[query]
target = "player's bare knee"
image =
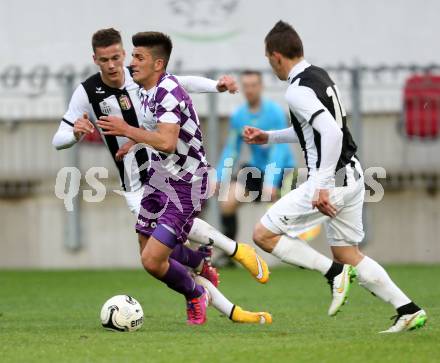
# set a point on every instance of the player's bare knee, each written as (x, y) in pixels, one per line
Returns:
(338, 256)
(151, 264)
(144, 260)
(262, 239)
(142, 244)
(347, 255)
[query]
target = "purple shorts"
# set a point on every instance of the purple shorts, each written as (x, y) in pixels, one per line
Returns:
(168, 214)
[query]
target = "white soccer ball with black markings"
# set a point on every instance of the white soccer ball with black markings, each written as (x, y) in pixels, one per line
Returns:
(122, 313)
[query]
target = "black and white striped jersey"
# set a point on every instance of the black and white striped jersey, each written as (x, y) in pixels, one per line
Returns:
(97, 99)
(311, 92)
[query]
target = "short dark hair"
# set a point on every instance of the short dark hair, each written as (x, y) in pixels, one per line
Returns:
(251, 72)
(106, 37)
(285, 40)
(160, 44)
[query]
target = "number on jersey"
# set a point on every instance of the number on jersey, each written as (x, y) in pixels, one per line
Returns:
(340, 114)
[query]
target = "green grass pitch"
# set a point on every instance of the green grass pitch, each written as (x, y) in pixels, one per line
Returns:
(53, 316)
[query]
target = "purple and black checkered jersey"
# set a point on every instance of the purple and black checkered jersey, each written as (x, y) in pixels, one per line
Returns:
(168, 102)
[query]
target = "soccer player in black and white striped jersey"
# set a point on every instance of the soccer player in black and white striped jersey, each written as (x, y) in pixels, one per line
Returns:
(334, 191)
(112, 91)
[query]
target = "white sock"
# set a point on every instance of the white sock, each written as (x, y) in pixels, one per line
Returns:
(299, 253)
(205, 234)
(218, 300)
(374, 278)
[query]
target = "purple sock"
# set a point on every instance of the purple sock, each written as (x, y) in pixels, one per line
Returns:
(186, 256)
(178, 279)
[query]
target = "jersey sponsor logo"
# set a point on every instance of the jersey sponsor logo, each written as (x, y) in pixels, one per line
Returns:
(152, 224)
(124, 102)
(99, 90)
(105, 107)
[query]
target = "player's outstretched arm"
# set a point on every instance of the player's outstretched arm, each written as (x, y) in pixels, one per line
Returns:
(196, 84)
(283, 136)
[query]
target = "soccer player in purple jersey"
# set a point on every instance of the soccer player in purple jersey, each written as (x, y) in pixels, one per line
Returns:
(112, 91)
(177, 183)
(107, 86)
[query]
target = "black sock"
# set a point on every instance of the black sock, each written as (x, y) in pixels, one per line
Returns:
(235, 250)
(334, 270)
(232, 312)
(229, 223)
(409, 308)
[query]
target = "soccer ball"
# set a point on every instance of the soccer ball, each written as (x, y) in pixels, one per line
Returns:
(122, 313)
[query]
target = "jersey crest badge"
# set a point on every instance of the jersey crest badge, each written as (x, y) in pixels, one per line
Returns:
(124, 102)
(105, 107)
(99, 90)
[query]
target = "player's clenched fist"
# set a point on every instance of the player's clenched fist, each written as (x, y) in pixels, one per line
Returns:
(227, 83)
(82, 126)
(253, 135)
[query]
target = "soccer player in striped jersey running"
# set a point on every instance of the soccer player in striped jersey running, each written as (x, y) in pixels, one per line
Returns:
(334, 191)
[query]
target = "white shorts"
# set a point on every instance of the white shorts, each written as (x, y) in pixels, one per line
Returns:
(293, 214)
(134, 199)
